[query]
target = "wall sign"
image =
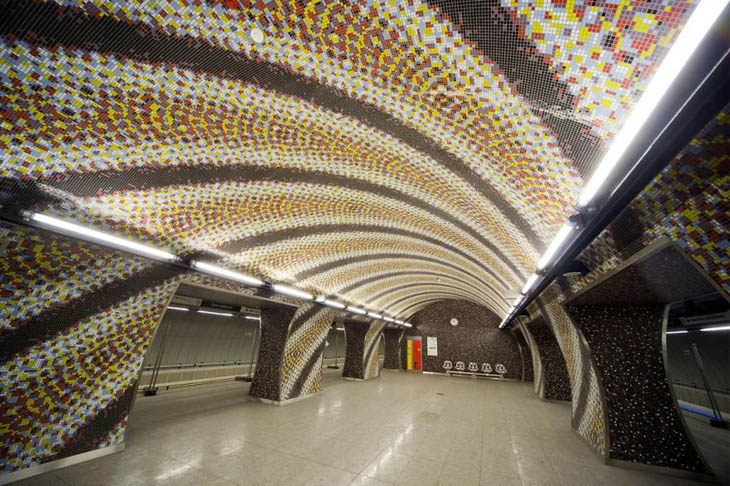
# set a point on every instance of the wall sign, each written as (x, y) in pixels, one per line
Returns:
(432, 346)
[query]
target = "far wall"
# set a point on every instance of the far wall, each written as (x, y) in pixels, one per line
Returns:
(476, 338)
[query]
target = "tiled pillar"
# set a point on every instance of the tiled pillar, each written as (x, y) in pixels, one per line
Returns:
(552, 381)
(274, 331)
(527, 368)
(289, 366)
(361, 354)
(393, 338)
(644, 425)
(621, 318)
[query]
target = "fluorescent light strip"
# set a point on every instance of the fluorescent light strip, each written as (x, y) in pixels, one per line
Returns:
(530, 282)
(223, 314)
(171, 307)
(356, 310)
(252, 318)
(225, 273)
(676, 332)
(689, 38)
(388, 319)
(407, 325)
(717, 328)
(99, 237)
(399, 322)
(555, 246)
(329, 303)
(374, 315)
(292, 292)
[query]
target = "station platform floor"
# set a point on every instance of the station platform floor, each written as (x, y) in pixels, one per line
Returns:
(400, 429)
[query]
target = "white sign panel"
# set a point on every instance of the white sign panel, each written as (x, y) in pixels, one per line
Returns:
(432, 348)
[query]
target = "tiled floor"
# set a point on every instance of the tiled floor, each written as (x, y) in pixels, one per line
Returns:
(402, 428)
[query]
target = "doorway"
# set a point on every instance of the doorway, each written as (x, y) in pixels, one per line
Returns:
(413, 353)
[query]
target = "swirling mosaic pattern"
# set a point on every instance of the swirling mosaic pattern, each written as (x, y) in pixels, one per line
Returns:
(392, 154)
(388, 118)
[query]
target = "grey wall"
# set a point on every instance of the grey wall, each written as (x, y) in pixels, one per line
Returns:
(200, 338)
(714, 348)
(334, 345)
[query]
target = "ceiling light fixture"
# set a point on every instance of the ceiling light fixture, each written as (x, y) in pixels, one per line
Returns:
(257, 35)
(95, 236)
(677, 332)
(171, 307)
(388, 319)
(292, 292)
(225, 273)
(374, 315)
(222, 314)
(689, 38)
(717, 328)
(356, 310)
(530, 282)
(554, 246)
(252, 318)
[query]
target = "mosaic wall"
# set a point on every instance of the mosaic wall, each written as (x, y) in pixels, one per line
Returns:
(688, 203)
(555, 384)
(393, 338)
(76, 322)
(388, 153)
(476, 341)
(438, 137)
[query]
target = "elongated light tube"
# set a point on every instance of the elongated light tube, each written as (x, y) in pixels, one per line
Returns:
(687, 41)
(172, 307)
(530, 282)
(223, 314)
(374, 315)
(252, 318)
(407, 325)
(292, 292)
(677, 332)
(104, 238)
(356, 310)
(554, 246)
(334, 304)
(717, 328)
(388, 319)
(225, 273)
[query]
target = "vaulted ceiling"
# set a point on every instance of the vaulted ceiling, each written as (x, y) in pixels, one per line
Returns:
(390, 153)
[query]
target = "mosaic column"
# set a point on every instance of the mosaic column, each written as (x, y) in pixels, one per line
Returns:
(361, 354)
(393, 338)
(274, 331)
(75, 324)
(552, 382)
(622, 318)
(290, 357)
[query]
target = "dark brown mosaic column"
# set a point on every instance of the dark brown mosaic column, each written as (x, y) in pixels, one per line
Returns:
(274, 332)
(622, 318)
(393, 338)
(555, 384)
(361, 351)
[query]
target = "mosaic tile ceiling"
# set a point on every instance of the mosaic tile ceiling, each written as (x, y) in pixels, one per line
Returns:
(391, 153)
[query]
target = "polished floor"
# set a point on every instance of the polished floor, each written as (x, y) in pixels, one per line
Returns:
(403, 429)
